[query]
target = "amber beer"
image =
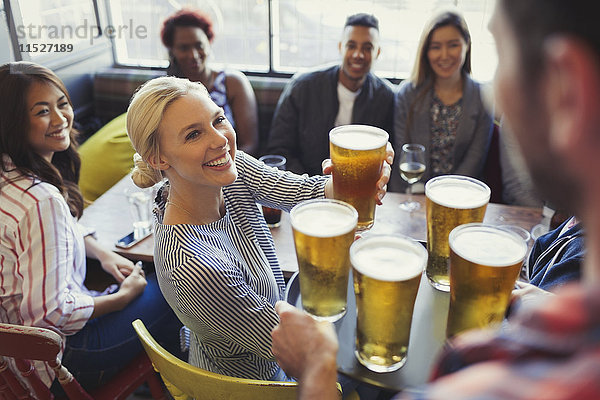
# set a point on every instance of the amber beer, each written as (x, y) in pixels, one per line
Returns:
(451, 200)
(357, 153)
(387, 271)
(485, 262)
(323, 232)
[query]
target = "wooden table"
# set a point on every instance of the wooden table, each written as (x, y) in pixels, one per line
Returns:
(427, 335)
(111, 218)
(110, 215)
(431, 307)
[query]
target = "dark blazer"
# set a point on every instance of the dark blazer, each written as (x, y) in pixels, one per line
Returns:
(306, 112)
(473, 133)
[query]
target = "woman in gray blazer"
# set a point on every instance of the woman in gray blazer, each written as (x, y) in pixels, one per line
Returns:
(440, 105)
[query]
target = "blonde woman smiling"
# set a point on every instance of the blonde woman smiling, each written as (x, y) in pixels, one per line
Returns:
(214, 253)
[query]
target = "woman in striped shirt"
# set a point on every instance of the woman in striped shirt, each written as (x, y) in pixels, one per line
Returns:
(42, 248)
(214, 253)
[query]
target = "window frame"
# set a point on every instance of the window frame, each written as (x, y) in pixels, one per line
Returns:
(104, 17)
(54, 60)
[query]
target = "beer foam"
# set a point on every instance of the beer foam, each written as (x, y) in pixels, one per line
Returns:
(388, 258)
(488, 245)
(457, 193)
(358, 137)
(324, 219)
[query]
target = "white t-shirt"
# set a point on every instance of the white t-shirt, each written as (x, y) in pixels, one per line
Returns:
(346, 98)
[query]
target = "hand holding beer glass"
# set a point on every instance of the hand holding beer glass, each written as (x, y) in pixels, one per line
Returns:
(450, 200)
(485, 262)
(323, 232)
(357, 153)
(412, 168)
(387, 270)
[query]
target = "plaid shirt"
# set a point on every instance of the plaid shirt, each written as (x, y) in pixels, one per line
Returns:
(550, 352)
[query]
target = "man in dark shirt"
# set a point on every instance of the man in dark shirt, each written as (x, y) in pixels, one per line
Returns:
(314, 102)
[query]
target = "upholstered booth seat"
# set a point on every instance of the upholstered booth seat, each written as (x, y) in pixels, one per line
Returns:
(106, 157)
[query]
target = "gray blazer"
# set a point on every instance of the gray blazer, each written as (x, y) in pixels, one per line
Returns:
(473, 133)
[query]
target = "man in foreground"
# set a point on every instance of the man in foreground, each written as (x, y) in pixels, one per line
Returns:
(548, 86)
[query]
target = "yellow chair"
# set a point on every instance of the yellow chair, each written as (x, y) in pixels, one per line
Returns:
(185, 381)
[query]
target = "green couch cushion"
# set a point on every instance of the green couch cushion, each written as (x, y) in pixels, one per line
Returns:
(106, 157)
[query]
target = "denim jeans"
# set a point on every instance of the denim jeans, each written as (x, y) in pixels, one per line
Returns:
(106, 344)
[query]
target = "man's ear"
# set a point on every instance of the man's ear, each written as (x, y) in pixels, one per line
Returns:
(572, 90)
(340, 47)
(158, 162)
(378, 52)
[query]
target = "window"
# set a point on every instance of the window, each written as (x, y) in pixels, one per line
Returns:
(241, 31)
(6, 53)
(50, 29)
(307, 32)
(276, 36)
(304, 33)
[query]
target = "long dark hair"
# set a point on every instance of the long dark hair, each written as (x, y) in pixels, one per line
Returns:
(15, 81)
(422, 76)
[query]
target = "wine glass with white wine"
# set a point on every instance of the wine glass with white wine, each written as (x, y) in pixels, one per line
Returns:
(412, 168)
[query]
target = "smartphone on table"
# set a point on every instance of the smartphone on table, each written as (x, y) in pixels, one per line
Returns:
(131, 240)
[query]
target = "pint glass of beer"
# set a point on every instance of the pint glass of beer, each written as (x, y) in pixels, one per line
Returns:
(357, 153)
(485, 262)
(387, 271)
(323, 232)
(451, 200)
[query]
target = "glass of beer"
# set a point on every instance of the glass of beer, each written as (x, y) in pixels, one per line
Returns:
(450, 200)
(323, 232)
(387, 270)
(273, 215)
(357, 153)
(485, 262)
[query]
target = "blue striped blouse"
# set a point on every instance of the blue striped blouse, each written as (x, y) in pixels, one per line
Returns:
(223, 279)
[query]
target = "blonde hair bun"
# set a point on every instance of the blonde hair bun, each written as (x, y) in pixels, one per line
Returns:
(143, 175)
